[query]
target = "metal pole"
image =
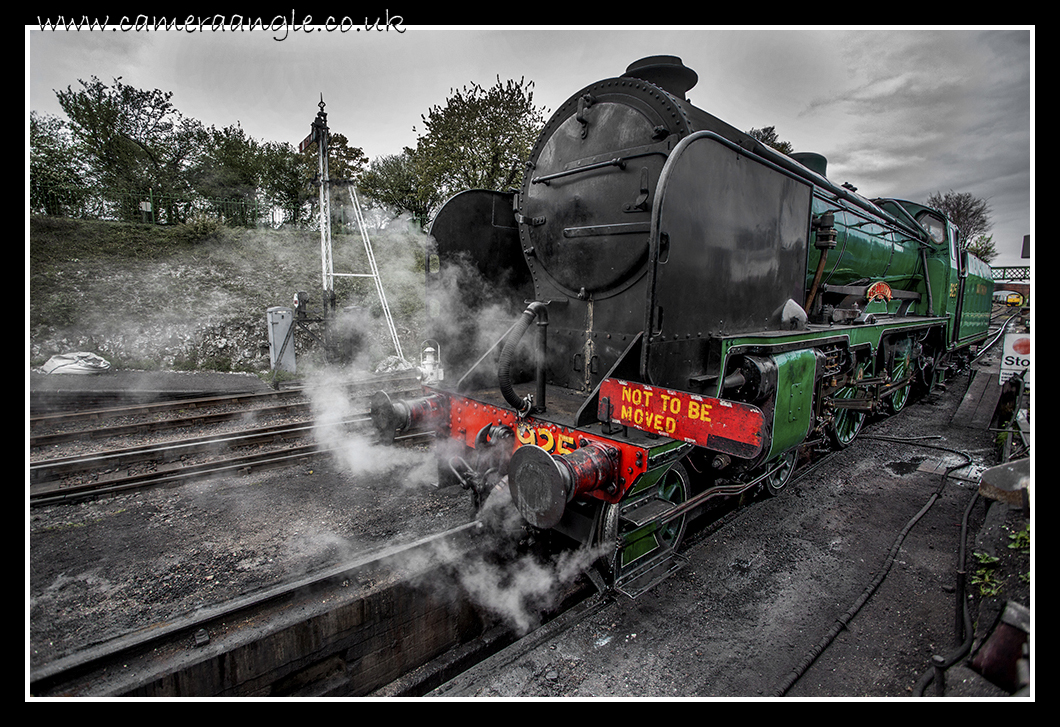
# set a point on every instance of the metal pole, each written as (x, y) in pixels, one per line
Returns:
(320, 128)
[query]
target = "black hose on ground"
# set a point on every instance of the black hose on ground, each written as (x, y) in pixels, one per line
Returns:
(842, 621)
(939, 662)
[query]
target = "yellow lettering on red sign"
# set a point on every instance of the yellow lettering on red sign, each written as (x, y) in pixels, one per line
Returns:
(724, 426)
(638, 407)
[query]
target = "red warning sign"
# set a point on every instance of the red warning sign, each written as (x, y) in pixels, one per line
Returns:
(724, 426)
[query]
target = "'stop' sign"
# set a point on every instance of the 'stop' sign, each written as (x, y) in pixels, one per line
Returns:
(1016, 356)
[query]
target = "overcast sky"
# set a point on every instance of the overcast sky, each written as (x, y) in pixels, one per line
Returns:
(897, 112)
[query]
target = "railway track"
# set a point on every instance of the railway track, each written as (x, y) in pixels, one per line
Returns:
(54, 429)
(90, 453)
(315, 636)
(73, 420)
(279, 641)
(257, 645)
(111, 472)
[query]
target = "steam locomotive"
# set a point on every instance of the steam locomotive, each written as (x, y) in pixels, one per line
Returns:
(702, 307)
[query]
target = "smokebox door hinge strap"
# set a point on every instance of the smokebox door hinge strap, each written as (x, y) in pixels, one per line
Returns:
(640, 204)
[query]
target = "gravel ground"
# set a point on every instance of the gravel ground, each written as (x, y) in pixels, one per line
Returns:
(99, 569)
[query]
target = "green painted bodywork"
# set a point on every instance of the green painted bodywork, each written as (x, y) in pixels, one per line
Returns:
(660, 458)
(866, 337)
(635, 544)
(796, 380)
(961, 284)
(976, 289)
(866, 249)
(793, 410)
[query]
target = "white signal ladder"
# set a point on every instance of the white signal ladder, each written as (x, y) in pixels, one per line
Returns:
(374, 274)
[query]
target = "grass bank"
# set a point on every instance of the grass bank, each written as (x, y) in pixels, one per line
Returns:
(195, 296)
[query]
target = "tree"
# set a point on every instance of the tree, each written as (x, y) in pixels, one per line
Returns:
(345, 164)
(229, 174)
(392, 182)
(768, 136)
(970, 214)
(285, 183)
(58, 176)
(983, 248)
(134, 140)
(344, 161)
(480, 139)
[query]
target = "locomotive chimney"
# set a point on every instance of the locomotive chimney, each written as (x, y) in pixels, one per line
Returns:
(666, 72)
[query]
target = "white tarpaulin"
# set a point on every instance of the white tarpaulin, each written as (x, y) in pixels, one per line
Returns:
(76, 363)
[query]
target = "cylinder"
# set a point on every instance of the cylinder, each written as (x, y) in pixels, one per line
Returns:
(542, 484)
(390, 417)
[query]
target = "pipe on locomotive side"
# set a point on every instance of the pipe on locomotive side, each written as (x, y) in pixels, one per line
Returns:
(535, 311)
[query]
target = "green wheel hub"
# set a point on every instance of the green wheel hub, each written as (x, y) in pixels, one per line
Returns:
(780, 470)
(848, 422)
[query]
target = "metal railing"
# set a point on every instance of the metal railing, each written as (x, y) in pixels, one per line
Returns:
(1012, 274)
(161, 208)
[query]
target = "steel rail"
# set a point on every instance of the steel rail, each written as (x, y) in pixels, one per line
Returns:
(47, 469)
(51, 494)
(367, 386)
(45, 440)
(90, 415)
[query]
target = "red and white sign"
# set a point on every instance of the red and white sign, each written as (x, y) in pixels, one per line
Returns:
(723, 426)
(1016, 356)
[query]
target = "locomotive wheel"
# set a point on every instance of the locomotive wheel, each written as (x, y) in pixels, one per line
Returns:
(673, 487)
(896, 401)
(780, 471)
(846, 426)
(607, 563)
(847, 422)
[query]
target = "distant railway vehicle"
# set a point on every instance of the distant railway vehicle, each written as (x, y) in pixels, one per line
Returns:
(1008, 297)
(702, 306)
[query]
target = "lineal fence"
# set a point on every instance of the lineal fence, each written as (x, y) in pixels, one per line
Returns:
(174, 209)
(164, 209)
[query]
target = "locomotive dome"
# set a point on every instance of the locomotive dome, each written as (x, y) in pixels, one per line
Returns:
(666, 72)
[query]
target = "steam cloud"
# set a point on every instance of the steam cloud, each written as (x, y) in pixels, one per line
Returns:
(516, 588)
(466, 315)
(518, 591)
